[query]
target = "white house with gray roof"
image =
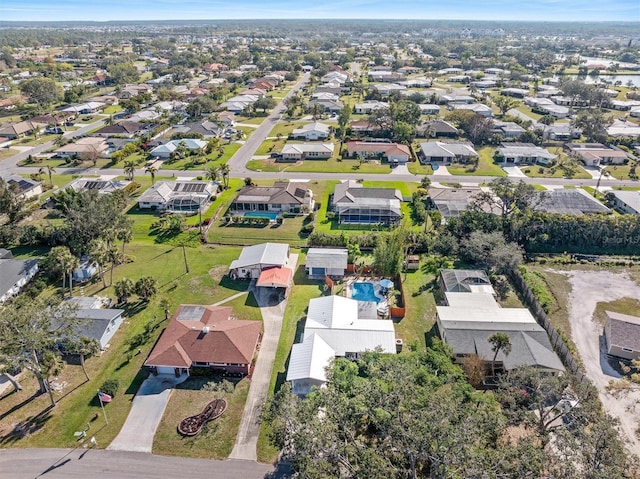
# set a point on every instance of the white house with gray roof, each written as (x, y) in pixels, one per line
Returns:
(254, 259)
(526, 153)
(460, 152)
(622, 335)
(626, 201)
(307, 151)
(14, 274)
(323, 262)
(178, 196)
(311, 131)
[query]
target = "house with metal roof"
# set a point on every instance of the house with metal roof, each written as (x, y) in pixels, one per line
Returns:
(207, 337)
(459, 152)
(178, 196)
(575, 201)
(253, 260)
(596, 154)
(14, 274)
(99, 324)
(336, 327)
(323, 262)
(354, 204)
(525, 153)
(282, 197)
(307, 151)
(622, 335)
(451, 202)
(626, 201)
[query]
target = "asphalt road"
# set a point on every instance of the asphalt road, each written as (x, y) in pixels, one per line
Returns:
(101, 464)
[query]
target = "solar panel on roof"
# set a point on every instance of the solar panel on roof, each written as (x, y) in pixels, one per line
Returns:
(190, 313)
(94, 185)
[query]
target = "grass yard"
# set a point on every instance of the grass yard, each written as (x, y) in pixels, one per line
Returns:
(112, 109)
(250, 121)
(527, 111)
(418, 168)
(7, 153)
(620, 172)
(332, 165)
(486, 165)
(630, 306)
(285, 128)
(292, 327)
(216, 439)
(287, 232)
(537, 171)
(213, 159)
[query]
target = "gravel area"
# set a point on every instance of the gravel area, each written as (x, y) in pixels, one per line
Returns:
(587, 289)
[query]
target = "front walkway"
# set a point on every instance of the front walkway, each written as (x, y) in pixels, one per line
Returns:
(513, 171)
(146, 413)
(272, 315)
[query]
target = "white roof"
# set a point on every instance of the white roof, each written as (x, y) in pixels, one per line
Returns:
(265, 253)
(307, 148)
(315, 126)
(309, 359)
(471, 300)
(327, 258)
(451, 316)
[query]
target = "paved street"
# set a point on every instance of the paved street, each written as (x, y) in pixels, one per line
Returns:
(102, 464)
(272, 315)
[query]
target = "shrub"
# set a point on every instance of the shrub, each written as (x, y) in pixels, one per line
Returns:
(110, 387)
(538, 287)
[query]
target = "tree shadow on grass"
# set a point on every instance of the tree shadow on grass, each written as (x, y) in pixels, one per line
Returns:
(27, 427)
(19, 405)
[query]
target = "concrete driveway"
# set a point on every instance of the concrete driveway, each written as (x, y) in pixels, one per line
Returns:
(272, 315)
(587, 289)
(146, 412)
(514, 172)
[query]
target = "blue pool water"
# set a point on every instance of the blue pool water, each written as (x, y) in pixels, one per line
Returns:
(261, 214)
(363, 291)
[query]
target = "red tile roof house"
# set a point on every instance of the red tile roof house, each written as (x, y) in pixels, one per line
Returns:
(205, 336)
(392, 152)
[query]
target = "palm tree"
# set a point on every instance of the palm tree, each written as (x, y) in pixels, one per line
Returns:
(225, 170)
(125, 235)
(129, 169)
(84, 347)
(499, 342)
(100, 254)
(61, 260)
(213, 173)
(50, 170)
(152, 170)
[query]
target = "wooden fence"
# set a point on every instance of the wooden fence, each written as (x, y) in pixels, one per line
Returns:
(541, 317)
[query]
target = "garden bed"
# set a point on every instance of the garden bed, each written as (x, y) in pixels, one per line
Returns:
(192, 425)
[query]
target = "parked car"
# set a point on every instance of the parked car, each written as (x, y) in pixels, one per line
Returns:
(56, 130)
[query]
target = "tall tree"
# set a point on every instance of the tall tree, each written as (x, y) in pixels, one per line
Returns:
(129, 169)
(152, 170)
(500, 342)
(42, 91)
(508, 197)
(61, 261)
(225, 171)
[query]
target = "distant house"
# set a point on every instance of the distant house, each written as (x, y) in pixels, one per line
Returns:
(559, 132)
(311, 131)
(508, 129)
(17, 130)
(392, 152)
(255, 259)
(335, 327)
(438, 129)
(514, 92)
(307, 151)
(595, 154)
(460, 152)
(14, 274)
(86, 148)
(165, 151)
(478, 108)
(86, 269)
(86, 108)
(208, 129)
(26, 187)
(95, 184)
(178, 196)
(574, 201)
(525, 153)
(331, 106)
(369, 106)
(282, 197)
(354, 204)
(227, 118)
(429, 109)
(95, 322)
(626, 201)
(207, 337)
(451, 202)
(323, 262)
(622, 335)
(126, 128)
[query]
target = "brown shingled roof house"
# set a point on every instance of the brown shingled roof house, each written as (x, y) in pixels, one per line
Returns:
(205, 336)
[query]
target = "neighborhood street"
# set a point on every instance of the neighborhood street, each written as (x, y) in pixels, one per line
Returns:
(102, 464)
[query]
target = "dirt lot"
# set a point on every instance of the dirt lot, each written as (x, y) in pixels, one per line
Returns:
(587, 289)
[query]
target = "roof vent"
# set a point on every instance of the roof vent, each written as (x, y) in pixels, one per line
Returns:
(205, 330)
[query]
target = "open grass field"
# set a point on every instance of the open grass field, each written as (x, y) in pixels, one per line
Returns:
(535, 171)
(332, 165)
(208, 161)
(486, 165)
(418, 168)
(630, 306)
(620, 172)
(206, 283)
(7, 153)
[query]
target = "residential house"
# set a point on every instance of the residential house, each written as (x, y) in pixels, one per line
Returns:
(626, 201)
(253, 260)
(544, 106)
(559, 132)
(354, 204)
(306, 151)
(86, 148)
(325, 96)
(514, 92)
(129, 91)
(622, 335)
(13, 131)
(87, 268)
(94, 321)
(103, 187)
(465, 281)
(623, 128)
(206, 337)
(331, 106)
(460, 152)
(226, 118)
(14, 274)
(452, 99)
(208, 129)
(85, 108)
(525, 153)
(452, 202)
(178, 196)
(369, 106)
(508, 129)
(429, 109)
(478, 108)
(125, 129)
(191, 144)
(25, 187)
(438, 129)
(573, 202)
(392, 152)
(282, 197)
(596, 154)
(323, 262)
(336, 327)
(311, 131)
(386, 89)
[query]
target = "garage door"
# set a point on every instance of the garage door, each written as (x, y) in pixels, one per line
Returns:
(317, 271)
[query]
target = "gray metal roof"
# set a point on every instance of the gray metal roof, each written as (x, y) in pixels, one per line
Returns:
(574, 201)
(629, 198)
(326, 258)
(623, 330)
(265, 253)
(12, 270)
(92, 323)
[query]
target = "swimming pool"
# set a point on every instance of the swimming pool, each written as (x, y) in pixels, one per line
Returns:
(261, 214)
(364, 291)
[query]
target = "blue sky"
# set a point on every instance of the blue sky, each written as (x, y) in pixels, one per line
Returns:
(532, 10)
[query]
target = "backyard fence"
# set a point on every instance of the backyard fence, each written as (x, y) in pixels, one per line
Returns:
(541, 317)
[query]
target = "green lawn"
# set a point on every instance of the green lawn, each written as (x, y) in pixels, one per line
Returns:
(250, 121)
(112, 109)
(286, 128)
(331, 165)
(620, 172)
(527, 111)
(536, 171)
(486, 166)
(418, 168)
(191, 162)
(7, 152)
(288, 232)
(629, 306)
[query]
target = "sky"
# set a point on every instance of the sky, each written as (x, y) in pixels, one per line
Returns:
(523, 10)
